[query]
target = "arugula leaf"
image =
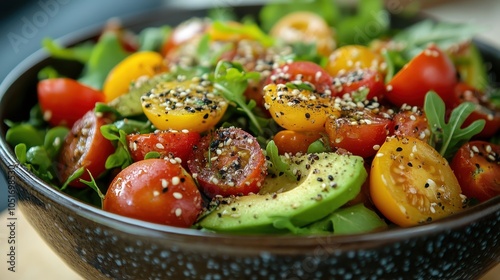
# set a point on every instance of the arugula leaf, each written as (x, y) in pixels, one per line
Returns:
(72, 177)
(105, 55)
(121, 157)
(152, 154)
(152, 38)
(93, 185)
(248, 30)
(231, 81)
(448, 137)
(276, 164)
(48, 73)
(80, 52)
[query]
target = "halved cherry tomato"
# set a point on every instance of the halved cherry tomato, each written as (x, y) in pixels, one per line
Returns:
(477, 167)
(228, 161)
(63, 100)
(485, 110)
(353, 57)
(293, 142)
(170, 143)
(361, 132)
(411, 123)
(432, 69)
(157, 191)
(297, 109)
(411, 183)
(305, 27)
(84, 147)
(190, 104)
(139, 64)
(303, 72)
(357, 81)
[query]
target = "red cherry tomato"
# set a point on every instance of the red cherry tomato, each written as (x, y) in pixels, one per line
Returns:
(432, 69)
(303, 71)
(485, 110)
(360, 80)
(293, 142)
(84, 147)
(63, 101)
(228, 162)
(477, 168)
(157, 191)
(360, 134)
(409, 123)
(171, 143)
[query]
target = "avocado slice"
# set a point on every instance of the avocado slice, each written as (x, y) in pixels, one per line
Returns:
(324, 182)
(129, 104)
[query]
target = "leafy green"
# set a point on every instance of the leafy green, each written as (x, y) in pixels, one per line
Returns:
(72, 177)
(152, 154)
(447, 137)
(105, 55)
(248, 30)
(54, 139)
(152, 38)
(93, 185)
(221, 14)
(231, 81)
(351, 220)
(444, 34)
(48, 73)
(24, 133)
(276, 164)
(121, 157)
(80, 52)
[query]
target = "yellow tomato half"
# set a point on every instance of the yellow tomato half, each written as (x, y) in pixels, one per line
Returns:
(305, 27)
(145, 63)
(178, 105)
(297, 109)
(352, 57)
(411, 183)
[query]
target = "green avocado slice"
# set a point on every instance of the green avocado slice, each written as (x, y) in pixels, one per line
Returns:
(325, 182)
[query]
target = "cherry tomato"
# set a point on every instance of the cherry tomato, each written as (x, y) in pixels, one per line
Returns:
(432, 69)
(179, 105)
(352, 57)
(293, 142)
(477, 167)
(305, 27)
(171, 144)
(157, 191)
(411, 183)
(485, 110)
(228, 161)
(357, 81)
(360, 133)
(304, 71)
(84, 147)
(411, 123)
(298, 110)
(63, 100)
(125, 73)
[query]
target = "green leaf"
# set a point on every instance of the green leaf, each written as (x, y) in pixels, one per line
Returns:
(48, 73)
(77, 174)
(121, 157)
(38, 156)
(80, 52)
(447, 137)
(93, 185)
(20, 152)
(54, 139)
(105, 55)
(24, 133)
(152, 38)
(152, 154)
(276, 164)
(247, 29)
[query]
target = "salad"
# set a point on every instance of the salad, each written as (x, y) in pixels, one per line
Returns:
(297, 124)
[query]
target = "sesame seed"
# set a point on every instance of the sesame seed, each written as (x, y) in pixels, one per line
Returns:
(160, 146)
(177, 195)
(176, 180)
(156, 193)
(178, 212)
(475, 149)
(164, 183)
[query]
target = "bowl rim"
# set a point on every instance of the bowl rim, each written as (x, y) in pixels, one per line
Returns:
(15, 171)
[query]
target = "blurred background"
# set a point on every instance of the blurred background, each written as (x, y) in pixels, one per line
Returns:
(24, 23)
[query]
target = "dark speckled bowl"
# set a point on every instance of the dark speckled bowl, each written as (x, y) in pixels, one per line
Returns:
(101, 245)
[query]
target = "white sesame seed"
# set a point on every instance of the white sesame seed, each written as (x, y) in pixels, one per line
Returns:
(177, 195)
(178, 212)
(47, 115)
(160, 146)
(376, 147)
(475, 149)
(176, 180)
(164, 183)
(156, 193)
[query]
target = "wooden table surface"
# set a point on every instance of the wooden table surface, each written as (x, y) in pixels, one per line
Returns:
(35, 260)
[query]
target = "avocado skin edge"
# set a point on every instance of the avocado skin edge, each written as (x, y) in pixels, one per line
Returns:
(300, 201)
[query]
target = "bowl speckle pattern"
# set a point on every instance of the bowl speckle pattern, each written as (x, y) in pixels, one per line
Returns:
(101, 245)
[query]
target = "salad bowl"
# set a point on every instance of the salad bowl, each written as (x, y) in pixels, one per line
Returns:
(103, 245)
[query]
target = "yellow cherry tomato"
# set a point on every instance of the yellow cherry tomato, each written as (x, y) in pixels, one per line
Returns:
(352, 57)
(411, 183)
(305, 27)
(178, 105)
(145, 63)
(297, 109)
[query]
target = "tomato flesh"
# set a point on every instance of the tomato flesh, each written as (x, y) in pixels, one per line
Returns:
(293, 142)
(228, 162)
(411, 123)
(157, 191)
(411, 183)
(357, 81)
(64, 101)
(84, 147)
(477, 167)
